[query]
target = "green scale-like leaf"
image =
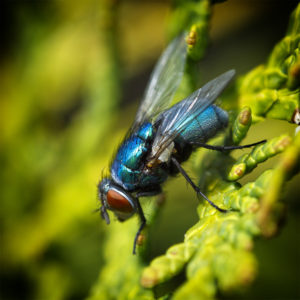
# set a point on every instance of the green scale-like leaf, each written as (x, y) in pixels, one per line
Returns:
(273, 90)
(216, 255)
(218, 247)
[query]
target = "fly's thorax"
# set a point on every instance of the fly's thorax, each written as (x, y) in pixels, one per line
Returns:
(126, 168)
(116, 199)
(145, 131)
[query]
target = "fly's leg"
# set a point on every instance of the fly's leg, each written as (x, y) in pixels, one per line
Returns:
(194, 186)
(157, 190)
(104, 214)
(143, 224)
(227, 148)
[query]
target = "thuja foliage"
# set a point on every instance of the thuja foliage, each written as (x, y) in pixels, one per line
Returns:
(54, 75)
(216, 254)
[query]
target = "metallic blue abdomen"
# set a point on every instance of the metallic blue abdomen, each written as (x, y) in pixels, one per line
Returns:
(126, 169)
(204, 126)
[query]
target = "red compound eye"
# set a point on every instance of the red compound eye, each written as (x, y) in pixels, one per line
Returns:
(118, 202)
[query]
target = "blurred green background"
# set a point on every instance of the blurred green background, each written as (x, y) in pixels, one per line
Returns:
(72, 73)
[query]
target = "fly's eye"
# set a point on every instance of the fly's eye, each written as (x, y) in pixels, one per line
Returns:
(118, 202)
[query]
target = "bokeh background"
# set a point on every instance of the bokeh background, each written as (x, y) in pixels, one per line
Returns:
(72, 74)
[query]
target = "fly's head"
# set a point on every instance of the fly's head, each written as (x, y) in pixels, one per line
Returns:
(116, 199)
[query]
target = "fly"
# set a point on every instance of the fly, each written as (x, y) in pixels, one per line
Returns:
(163, 137)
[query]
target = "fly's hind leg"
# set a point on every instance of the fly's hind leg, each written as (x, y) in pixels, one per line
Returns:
(194, 186)
(227, 148)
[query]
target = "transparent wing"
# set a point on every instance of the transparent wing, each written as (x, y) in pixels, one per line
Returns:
(176, 119)
(164, 81)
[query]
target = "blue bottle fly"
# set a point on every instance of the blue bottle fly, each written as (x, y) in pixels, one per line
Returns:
(161, 138)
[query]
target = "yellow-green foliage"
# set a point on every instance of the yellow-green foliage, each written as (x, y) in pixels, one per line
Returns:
(60, 90)
(216, 254)
(272, 90)
(52, 126)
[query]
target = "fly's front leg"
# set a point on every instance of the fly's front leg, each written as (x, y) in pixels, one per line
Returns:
(157, 190)
(143, 224)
